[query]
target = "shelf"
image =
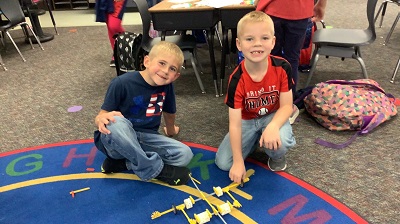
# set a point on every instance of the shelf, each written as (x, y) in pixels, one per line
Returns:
(57, 3)
(73, 4)
(79, 4)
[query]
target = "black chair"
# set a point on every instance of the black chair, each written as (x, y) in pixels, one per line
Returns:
(186, 42)
(11, 9)
(382, 9)
(396, 69)
(2, 64)
(344, 43)
(31, 10)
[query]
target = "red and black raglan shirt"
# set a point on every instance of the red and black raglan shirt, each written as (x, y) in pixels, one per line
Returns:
(258, 99)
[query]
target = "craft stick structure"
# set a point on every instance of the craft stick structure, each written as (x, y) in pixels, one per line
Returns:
(206, 216)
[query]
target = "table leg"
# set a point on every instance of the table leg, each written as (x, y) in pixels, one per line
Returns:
(51, 16)
(163, 34)
(210, 37)
(2, 64)
(224, 53)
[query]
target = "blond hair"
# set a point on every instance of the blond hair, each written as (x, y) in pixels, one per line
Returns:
(254, 17)
(167, 48)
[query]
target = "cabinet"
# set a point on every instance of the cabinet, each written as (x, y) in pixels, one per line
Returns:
(72, 4)
(80, 4)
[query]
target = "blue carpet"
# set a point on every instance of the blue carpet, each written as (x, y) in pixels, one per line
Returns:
(35, 186)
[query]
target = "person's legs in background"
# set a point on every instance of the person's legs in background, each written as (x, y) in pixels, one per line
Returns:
(295, 31)
(114, 26)
(151, 3)
(289, 41)
(294, 39)
(279, 36)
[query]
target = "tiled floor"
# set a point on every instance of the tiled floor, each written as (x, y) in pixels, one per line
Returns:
(82, 17)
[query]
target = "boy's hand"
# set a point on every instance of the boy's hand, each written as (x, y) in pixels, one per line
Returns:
(104, 119)
(170, 132)
(237, 173)
(270, 138)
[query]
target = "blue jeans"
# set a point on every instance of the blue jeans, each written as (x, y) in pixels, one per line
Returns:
(145, 153)
(251, 133)
(290, 36)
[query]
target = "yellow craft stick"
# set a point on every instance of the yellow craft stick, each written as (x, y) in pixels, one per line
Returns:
(157, 214)
(80, 190)
(194, 179)
(204, 197)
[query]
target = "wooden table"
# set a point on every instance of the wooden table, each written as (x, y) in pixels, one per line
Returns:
(229, 17)
(166, 18)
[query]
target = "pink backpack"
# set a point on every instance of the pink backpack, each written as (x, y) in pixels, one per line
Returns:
(359, 105)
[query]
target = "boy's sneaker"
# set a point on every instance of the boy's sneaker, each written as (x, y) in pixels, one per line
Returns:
(113, 165)
(294, 115)
(112, 63)
(277, 164)
(174, 175)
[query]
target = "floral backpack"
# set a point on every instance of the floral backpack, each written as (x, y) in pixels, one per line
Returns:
(359, 105)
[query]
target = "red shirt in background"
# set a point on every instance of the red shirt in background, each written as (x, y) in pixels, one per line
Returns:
(287, 9)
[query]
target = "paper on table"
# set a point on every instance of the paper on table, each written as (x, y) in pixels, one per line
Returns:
(181, 1)
(219, 3)
(183, 5)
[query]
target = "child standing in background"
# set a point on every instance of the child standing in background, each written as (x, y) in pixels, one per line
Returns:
(291, 18)
(111, 12)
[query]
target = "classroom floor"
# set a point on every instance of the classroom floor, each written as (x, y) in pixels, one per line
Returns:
(74, 70)
(83, 17)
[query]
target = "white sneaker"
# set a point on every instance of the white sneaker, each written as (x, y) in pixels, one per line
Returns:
(294, 115)
(277, 164)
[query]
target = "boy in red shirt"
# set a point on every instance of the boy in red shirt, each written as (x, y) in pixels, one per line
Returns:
(259, 99)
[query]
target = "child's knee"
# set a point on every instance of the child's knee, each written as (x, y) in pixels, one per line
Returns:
(287, 137)
(288, 141)
(181, 156)
(120, 123)
(223, 165)
(187, 156)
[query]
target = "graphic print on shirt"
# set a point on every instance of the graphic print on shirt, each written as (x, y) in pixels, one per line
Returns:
(261, 101)
(155, 105)
(138, 105)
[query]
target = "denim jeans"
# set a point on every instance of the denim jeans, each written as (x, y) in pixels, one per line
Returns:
(290, 36)
(251, 133)
(145, 153)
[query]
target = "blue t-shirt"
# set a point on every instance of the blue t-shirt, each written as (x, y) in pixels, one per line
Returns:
(139, 102)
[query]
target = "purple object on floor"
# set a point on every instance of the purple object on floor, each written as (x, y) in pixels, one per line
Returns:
(75, 108)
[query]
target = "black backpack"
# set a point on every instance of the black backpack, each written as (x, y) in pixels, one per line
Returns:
(128, 53)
